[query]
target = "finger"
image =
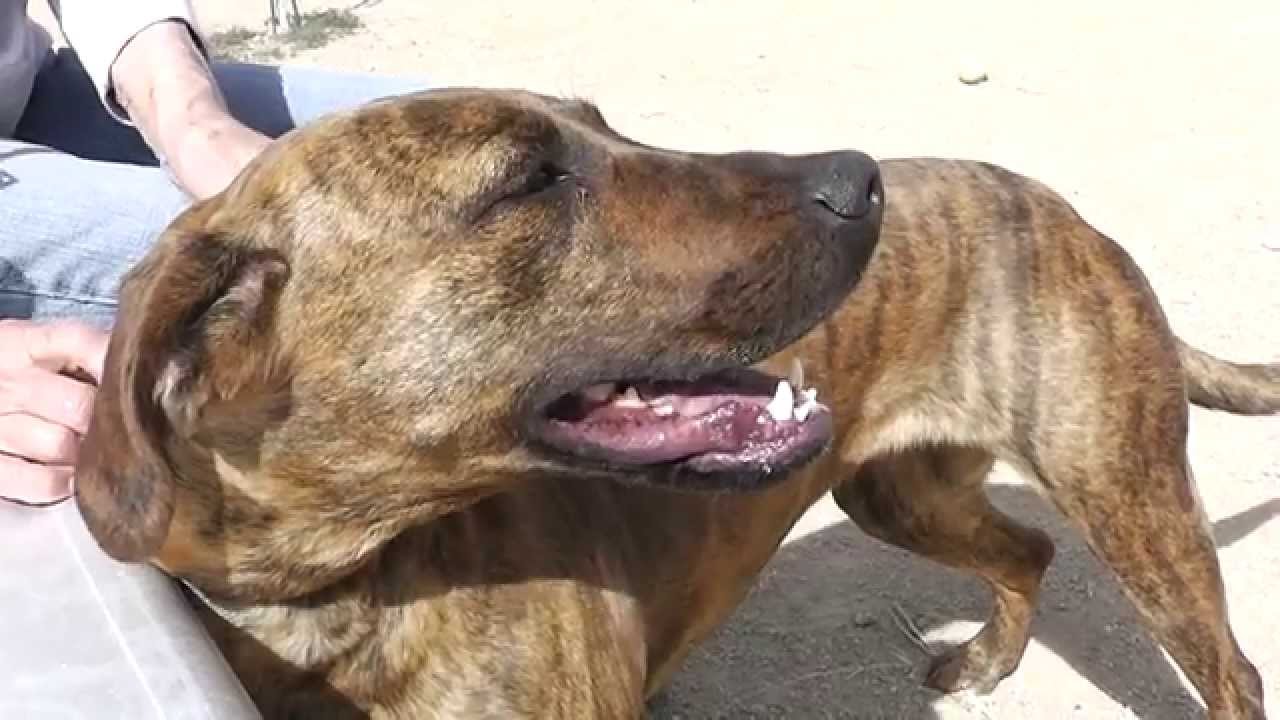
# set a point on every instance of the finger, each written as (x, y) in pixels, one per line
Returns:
(64, 346)
(55, 398)
(33, 484)
(38, 440)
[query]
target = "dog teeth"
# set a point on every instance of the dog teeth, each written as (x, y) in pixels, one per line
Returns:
(662, 408)
(783, 402)
(797, 373)
(809, 402)
(602, 393)
(630, 399)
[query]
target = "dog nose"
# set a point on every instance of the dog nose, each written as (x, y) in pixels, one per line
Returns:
(847, 184)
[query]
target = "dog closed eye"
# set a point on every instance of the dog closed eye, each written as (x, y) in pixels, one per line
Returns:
(547, 176)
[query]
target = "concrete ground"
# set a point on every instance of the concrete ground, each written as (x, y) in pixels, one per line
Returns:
(1157, 119)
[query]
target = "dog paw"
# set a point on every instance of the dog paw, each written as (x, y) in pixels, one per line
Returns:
(965, 668)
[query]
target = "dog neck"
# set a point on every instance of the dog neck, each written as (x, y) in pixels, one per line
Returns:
(233, 537)
(236, 536)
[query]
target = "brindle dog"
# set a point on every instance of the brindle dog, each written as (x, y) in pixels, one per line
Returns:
(419, 405)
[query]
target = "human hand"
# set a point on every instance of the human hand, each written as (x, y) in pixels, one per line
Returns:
(48, 376)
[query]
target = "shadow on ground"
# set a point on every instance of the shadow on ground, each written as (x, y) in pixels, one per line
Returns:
(818, 637)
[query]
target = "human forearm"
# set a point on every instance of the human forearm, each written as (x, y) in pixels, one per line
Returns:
(163, 84)
(161, 80)
(144, 53)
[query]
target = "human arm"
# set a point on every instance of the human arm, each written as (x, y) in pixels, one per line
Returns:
(150, 70)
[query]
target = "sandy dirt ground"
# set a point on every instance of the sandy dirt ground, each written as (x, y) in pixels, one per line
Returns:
(1158, 120)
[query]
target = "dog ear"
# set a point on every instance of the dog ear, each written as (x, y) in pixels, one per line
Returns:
(192, 330)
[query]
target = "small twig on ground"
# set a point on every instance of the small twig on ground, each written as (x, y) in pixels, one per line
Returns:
(908, 628)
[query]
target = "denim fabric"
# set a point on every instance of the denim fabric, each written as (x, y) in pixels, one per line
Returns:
(82, 198)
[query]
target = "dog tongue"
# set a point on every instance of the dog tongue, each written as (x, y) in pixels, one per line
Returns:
(661, 422)
(730, 426)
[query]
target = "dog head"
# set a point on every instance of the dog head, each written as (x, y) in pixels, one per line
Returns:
(401, 309)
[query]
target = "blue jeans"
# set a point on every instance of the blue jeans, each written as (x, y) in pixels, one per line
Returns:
(82, 197)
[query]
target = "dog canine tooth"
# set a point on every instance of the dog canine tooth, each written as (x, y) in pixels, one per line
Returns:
(783, 402)
(797, 373)
(630, 399)
(662, 409)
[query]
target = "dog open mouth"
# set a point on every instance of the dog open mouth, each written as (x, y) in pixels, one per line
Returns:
(738, 420)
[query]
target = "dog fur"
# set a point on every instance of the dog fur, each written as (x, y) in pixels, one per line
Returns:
(315, 403)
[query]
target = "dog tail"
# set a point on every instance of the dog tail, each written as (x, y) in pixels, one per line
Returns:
(1236, 388)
